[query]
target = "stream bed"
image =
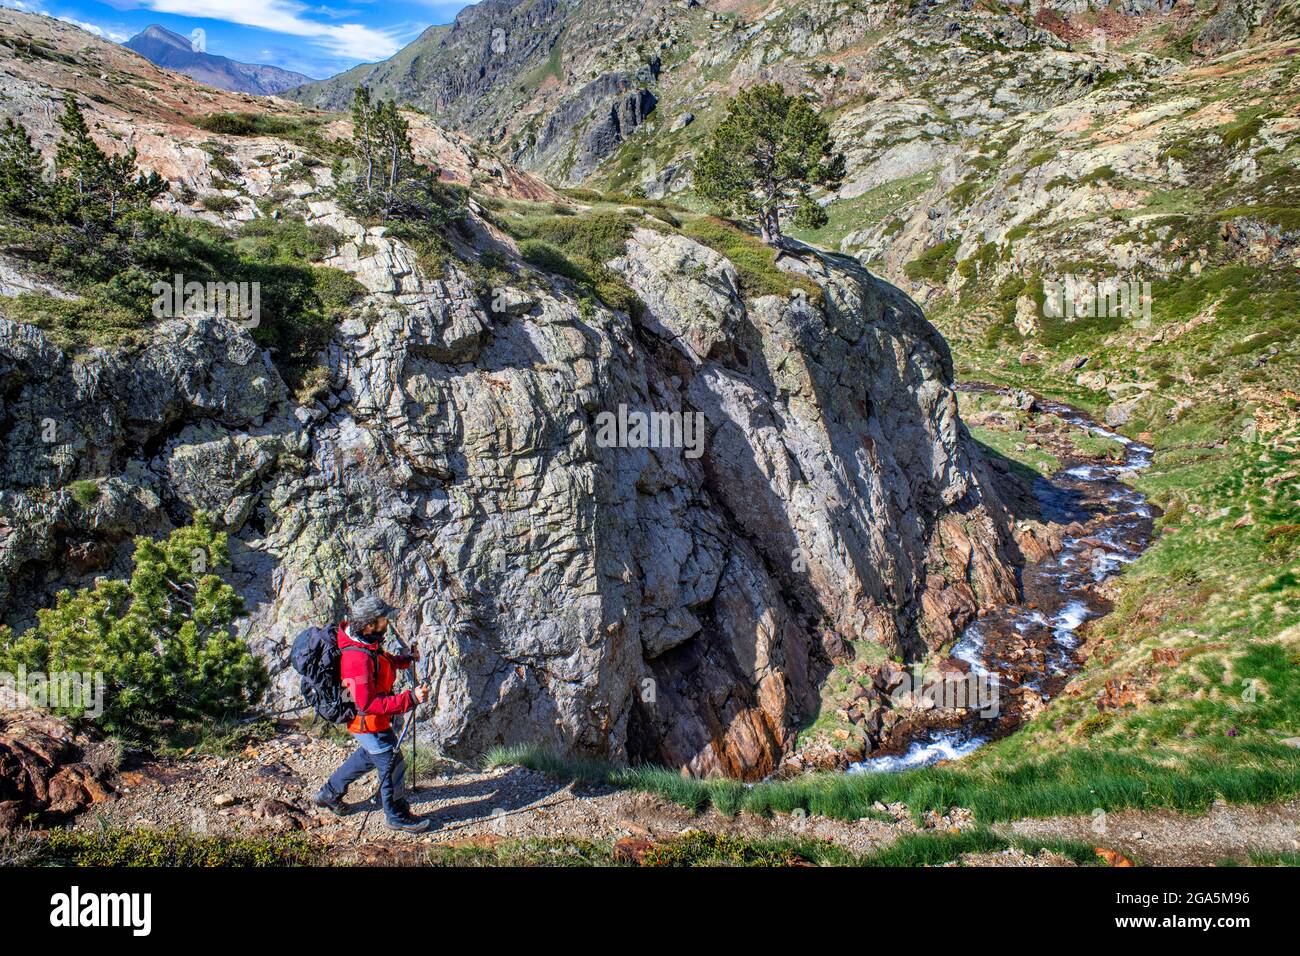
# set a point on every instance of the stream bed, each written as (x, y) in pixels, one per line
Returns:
(1030, 650)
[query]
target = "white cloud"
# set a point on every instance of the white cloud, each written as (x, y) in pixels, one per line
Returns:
(352, 41)
(114, 35)
(107, 34)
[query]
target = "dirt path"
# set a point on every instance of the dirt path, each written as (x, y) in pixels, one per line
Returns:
(1166, 838)
(269, 789)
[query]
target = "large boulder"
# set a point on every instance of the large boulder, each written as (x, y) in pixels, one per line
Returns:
(676, 600)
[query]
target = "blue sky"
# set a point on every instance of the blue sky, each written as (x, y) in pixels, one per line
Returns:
(319, 39)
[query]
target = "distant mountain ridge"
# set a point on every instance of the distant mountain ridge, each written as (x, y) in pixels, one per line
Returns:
(172, 51)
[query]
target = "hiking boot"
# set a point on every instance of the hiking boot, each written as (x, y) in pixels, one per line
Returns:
(408, 824)
(327, 801)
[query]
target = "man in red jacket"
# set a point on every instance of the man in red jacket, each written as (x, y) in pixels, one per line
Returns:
(370, 672)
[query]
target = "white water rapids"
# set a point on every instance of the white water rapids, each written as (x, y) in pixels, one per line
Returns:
(1082, 562)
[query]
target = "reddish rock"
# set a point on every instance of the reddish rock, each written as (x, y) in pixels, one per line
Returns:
(632, 850)
(1119, 693)
(1112, 857)
(42, 770)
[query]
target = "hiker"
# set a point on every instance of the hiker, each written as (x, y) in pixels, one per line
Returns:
(369, 672)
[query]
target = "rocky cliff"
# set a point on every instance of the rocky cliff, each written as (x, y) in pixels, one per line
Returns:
(678, 599)
(622, 601)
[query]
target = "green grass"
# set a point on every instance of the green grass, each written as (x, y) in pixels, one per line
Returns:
(552, 66)
(555, 240)
(862, 212)
(174, 847)
(1269, 859)
(755, 261)
(85, 492)
(1034, 461)
(171, 847)
(935, 849)
(538, 852)
(699, 848)
(302, 130)
(692, 849)
(1008, 434)
(1075, 781)
(1092, 445)
(218, 738)
(73, 323)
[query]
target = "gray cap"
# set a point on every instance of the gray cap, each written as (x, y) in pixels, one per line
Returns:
(367, 609)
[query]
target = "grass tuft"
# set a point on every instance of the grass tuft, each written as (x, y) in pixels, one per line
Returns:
(1075, 782)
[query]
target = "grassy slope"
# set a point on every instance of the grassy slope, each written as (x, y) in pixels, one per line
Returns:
(1197, 666)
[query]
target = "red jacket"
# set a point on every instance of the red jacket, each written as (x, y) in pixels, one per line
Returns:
(370, 678)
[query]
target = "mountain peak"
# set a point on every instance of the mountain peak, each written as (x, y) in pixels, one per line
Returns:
(160, 33)
(172, 51)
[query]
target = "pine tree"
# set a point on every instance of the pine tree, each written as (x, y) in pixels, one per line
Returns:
(163, 641)
(398, 158)
(22, 172)
(94, 190)
(363, 137)
(386, 182)
(764, 158)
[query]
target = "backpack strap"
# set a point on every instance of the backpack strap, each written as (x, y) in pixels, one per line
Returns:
(374, 668)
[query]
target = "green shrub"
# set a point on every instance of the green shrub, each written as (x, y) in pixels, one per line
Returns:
(596, 238)
(578, 248)
(172, 847)
(302, 130)
(228, 124)
(85, 493)
(1240, 133)
(163, 640)
(754, 260)
(219, 202)
(934, 264)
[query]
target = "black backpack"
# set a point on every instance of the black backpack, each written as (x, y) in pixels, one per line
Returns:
(316, 656)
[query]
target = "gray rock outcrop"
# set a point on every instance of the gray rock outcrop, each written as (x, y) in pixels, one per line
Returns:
(676, 601)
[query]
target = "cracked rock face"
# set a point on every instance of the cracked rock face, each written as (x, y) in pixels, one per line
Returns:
(675, 600)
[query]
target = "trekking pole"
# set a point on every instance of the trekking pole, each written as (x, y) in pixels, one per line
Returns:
(409, 725)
